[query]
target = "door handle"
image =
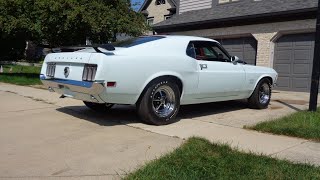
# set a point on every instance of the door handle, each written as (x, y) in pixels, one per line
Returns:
(203, 66)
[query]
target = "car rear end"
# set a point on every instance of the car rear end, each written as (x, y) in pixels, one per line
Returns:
(99, 74)
(73, 75)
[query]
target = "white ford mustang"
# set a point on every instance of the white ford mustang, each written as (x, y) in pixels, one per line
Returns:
(157, 74)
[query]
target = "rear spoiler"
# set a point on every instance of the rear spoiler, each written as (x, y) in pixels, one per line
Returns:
(108, 47)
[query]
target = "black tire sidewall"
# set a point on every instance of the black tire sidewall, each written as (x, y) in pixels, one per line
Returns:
(149, 115)
(254, 99)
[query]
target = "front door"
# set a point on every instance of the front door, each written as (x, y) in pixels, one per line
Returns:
(219, 78)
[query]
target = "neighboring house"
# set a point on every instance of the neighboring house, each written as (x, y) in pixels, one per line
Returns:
(272, 33)
(156, 11)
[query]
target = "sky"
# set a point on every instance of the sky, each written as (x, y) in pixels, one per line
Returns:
(138, 2)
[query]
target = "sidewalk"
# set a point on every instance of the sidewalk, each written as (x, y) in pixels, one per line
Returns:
(293, 149)
(282, 147)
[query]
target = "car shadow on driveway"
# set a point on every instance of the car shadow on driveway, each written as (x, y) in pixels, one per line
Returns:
(122, 114)
(198, 110)
(113, 117)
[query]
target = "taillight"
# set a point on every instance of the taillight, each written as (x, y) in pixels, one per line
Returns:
(51, 68)
(89, 72)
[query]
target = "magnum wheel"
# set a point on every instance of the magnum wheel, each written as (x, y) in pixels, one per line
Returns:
(98, 107)
(160, 103)
(261, 96)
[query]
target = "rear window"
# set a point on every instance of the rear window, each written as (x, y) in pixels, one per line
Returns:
(136, 41)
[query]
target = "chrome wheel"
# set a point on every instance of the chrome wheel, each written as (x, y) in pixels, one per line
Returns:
(264, 93)
(163, 101)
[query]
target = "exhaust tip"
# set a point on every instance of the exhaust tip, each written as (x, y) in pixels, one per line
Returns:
(50, 89)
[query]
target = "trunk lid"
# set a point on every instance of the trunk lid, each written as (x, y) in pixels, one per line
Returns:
(68, 66)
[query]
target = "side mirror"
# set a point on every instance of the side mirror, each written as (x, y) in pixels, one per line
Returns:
(236, 60)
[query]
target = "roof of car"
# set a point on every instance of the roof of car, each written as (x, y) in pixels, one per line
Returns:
(188, 38)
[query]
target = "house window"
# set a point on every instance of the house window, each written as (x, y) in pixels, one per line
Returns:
(159, 2)
(150, 21)
(167, 17)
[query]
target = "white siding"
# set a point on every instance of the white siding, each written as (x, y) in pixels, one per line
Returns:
(190, 5)
(226, 1)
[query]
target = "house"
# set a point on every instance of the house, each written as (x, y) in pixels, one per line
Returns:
(156, 11)
(271, 33)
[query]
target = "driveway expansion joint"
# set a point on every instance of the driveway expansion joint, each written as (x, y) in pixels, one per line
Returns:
(291, 147)
(32, 98)
(146, 130)
(25, 110)
(204, 121)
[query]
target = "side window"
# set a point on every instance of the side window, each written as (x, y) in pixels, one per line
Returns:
(190, 50)
(210, 51)
(221, 53)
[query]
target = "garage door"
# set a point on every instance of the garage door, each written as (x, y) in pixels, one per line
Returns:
(293, 61)
(245, 48)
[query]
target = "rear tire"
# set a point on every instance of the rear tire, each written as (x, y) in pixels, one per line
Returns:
(98, 107)
(160, 104)
(261, 96)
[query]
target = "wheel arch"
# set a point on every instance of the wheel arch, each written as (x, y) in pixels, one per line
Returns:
(260, 79)
(264, 77)
(173, 77)
(269, 78)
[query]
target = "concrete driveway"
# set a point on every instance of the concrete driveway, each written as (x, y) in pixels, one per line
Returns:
(40, 140)
(44, 136)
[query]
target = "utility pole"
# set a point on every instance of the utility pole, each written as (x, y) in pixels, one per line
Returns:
(316, 67)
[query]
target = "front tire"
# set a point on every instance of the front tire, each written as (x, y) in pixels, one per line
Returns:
(261, 96)
(160, 103)
(98, 107)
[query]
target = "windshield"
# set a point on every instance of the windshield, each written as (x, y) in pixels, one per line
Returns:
(136, 41)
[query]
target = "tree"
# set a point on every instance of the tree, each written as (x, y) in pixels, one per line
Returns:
(68, 22)
(14, 28)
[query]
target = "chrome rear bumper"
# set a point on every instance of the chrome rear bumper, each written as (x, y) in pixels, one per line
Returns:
(85, 91)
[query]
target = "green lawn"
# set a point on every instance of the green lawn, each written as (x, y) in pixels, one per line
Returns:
(302, 124)
(200, 159)
(20, 75)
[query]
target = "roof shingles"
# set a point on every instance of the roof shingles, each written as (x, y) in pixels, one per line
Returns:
(241, 8)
